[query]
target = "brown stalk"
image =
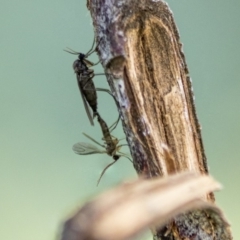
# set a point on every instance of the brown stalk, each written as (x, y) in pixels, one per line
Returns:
(140, 50)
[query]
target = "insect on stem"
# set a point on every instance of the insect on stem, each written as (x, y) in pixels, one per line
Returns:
(85, 80)
(110, 146)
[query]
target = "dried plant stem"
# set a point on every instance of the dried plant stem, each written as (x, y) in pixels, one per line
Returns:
(140, 49)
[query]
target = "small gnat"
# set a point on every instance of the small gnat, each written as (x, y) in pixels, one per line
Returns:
(84, 73)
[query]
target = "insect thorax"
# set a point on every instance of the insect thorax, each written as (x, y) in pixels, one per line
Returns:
(80, 67)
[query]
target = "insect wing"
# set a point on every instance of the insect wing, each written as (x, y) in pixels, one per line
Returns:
(82, 148)
(85, 102)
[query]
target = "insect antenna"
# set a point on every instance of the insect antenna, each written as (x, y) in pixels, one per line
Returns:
(69, 50)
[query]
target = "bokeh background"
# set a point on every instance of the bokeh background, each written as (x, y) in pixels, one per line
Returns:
(41, 180)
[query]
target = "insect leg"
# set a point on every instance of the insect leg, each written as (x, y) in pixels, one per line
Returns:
(105, 90)
(114, 125)
(104, 170)
(93, 140)
(125, 155)
(89, 79)
(92, 49)
(94, 64)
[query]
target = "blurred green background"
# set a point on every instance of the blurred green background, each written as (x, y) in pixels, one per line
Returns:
(41, 180)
